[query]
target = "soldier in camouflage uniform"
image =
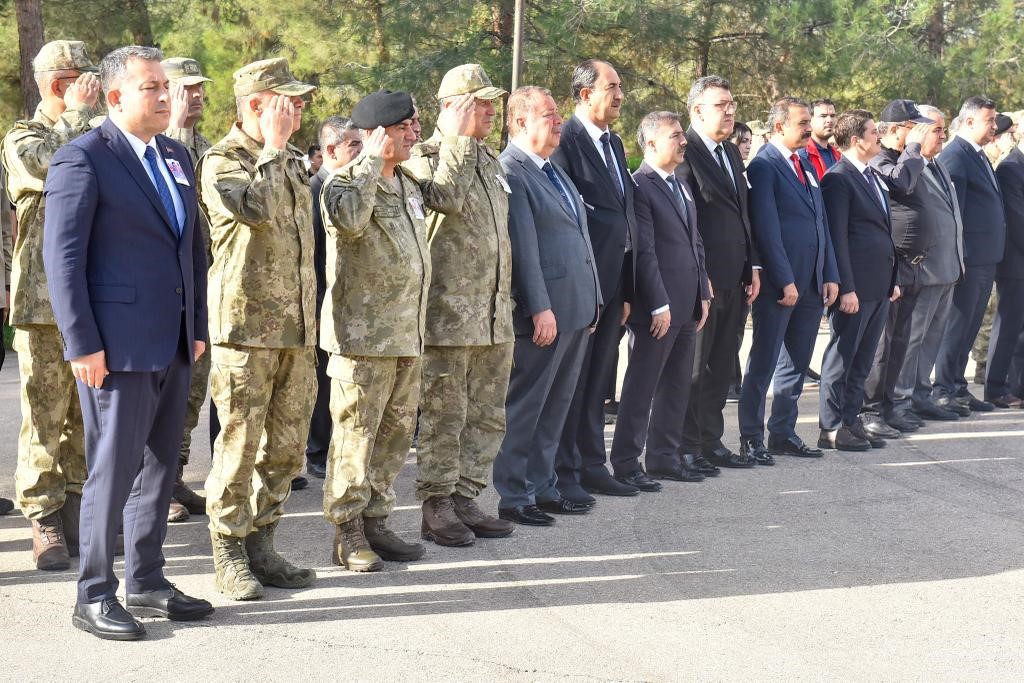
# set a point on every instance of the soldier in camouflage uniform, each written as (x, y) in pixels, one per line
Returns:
(186, 110)
(979, 352)
(51, 452)
(254, 190)
(469, 337)
(378, 274)
(6, 504)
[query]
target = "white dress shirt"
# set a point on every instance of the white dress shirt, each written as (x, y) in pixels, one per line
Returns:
(595, 134)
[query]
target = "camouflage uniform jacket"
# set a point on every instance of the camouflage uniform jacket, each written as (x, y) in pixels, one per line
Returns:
(470, 302)
(26, 152)
(196, 145)
(262, 287)
(378, 263)
(6, 228)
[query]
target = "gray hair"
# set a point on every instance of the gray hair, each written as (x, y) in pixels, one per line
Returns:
(521, 102)
(702, 85)
(779, 112)
(333, 129)
(928, 111)
(650, 124)
(972, 105)
(114, 66)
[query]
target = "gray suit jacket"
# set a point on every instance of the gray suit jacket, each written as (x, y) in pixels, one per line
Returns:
(945, 261)
(552, 259)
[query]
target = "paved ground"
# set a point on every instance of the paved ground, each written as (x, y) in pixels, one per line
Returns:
(900, 564)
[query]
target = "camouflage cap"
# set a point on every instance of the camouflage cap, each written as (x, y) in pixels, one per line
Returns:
(758, 127)
(184, 70)
(468, 79)
(63, 55)
(269, 74)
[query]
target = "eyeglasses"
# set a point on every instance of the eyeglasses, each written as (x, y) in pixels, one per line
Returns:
(728, 106)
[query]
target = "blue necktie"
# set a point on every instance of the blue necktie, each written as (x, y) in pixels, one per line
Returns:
(550, 172)
(671, 179)
(162, 189)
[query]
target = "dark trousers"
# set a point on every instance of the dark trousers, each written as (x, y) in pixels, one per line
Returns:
(655, 392)
(1006, 330)
(320, 423)
(133, 427)
(970, 297)
(783, 341)
(581, 447)
(891, 352)
(847, 362)
(540, 390)
(715, 360)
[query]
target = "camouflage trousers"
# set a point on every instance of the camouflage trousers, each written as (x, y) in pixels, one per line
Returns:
(979, 352)
(462, 417)
(196, 398)
(373, 408)
(51, 444)
(264, 400)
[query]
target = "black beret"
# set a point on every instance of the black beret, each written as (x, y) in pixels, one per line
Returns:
(382, 108)
(1003, 123)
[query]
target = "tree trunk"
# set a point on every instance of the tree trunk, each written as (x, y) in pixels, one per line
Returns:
(30, 41)
(935, 38)
(377, 7)
(138, 21)
(502, 20)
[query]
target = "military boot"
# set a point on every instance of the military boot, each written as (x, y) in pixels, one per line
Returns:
(481, 523)
(189, 499)
(440, 524)
(351, 549)
(49, 548)
(70, 514)
(269, 567)
(231, 566)
(176, 512)
(6, 505)
(387, 544)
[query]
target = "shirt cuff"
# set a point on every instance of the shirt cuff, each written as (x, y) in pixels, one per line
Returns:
(658, 311)
(756, 268)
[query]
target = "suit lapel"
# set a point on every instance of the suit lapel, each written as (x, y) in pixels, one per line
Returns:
(725, 184)
(663, 188)
(786, 168)
(126, 155)
(186, 192)
(983, 165)
(929, 173)
(596, 159)
(542, 179)
(869, 195)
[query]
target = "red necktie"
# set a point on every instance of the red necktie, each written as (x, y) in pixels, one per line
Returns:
(799, 171)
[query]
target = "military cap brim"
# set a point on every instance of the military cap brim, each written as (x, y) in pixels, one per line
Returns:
(488, 93)
(192, 80)
(293, 89)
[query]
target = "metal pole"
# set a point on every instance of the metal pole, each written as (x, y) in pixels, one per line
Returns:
(517, 45)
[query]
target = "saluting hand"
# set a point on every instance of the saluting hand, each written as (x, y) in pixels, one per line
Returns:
(83, 92)
(376, 142)
(179, 106)
(456, 118)
(276, 121)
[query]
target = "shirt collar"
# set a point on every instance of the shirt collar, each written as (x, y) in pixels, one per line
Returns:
(856, 164)
(593, 131)
(974, 145)
(138, 146)
(786, 152)
(663, 174)
(709, 143)
(533, 157)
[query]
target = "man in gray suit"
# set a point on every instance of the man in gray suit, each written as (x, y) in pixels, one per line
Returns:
(557, 301)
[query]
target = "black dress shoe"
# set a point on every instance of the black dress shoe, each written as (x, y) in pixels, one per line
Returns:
(975, 404)
(606, 484)
(793, 446)
(952, 405)
(107, 619)
(844, 440)
(563, 507)
(903, 423)
(875, 426)
(576, 494)
(316, 467)
(723, 457)
(681, 473)
(932, 411)
(169, 603)
(699, 464)
(640, 480)
(529, 515)
(754, 449)
(299, 483)
(858, 430)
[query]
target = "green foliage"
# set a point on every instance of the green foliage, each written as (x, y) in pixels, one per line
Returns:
(858, 52)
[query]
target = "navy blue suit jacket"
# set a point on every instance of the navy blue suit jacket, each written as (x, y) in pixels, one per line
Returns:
(788, 223)
(120, 278)
(861, 231)
(981, 205)
(670, 268)
(1010, 174)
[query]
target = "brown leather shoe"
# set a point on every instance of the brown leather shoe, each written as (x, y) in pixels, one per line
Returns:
(442, 526)
(49, 549)
(70, 515)
(177, 512)
(189, 499)
(479, 522)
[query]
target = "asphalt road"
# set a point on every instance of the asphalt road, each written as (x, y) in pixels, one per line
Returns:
(904, 563)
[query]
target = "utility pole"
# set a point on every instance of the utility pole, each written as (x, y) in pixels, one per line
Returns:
(517, 45)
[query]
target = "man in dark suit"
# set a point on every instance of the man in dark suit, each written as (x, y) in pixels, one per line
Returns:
(1009, 320)
(789, 227)
(593, 157)
(557, 302)
(340, 143)
(670, 303)
(717, 180)
(981, 207)
(127, 277)
(861, 230)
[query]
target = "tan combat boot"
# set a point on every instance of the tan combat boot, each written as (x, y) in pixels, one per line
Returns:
(269, 567)
(70, 515)
(231, 565)
(482, 524)
(352, 551)
(441, 526)
(49, 549)
(387, 544)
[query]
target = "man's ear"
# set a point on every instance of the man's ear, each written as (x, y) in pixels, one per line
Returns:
(54, 86)
(113, 99)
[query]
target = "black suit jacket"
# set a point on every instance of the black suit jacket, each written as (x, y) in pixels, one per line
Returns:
(861, 231)
(670, 268)
(722, 211)
(316, 184)
(981, 205)
(609, 216)
(1010, 174)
